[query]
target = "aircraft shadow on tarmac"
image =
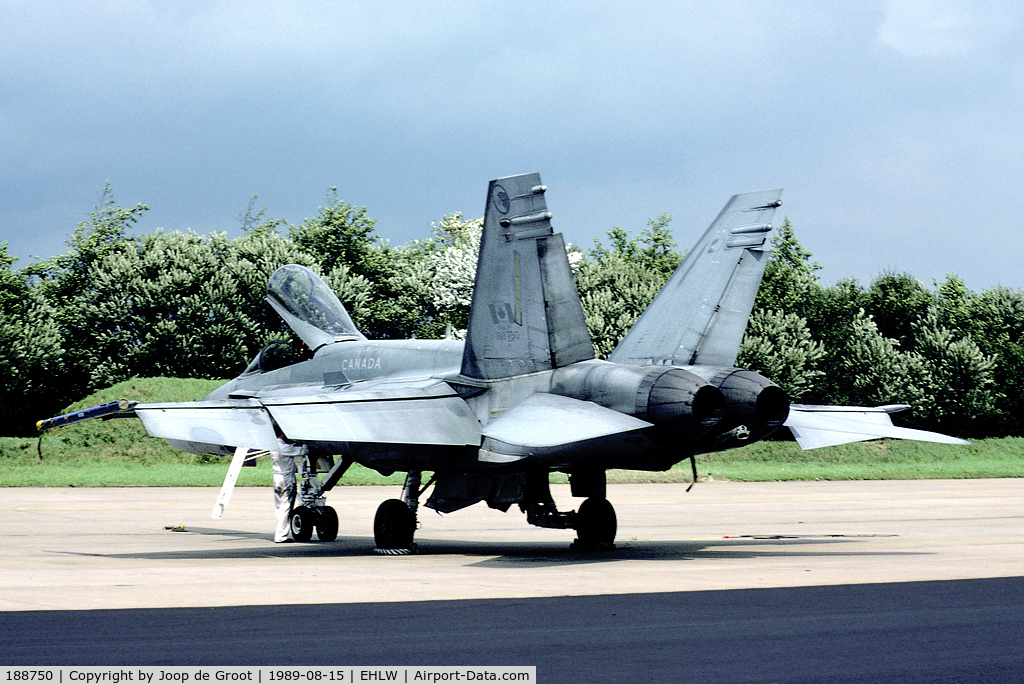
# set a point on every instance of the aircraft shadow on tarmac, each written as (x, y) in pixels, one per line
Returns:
(532, 554)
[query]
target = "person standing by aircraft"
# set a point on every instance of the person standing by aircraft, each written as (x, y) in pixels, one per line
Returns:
(283, 461)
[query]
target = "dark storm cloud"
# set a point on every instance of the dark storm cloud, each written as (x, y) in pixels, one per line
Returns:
(892, 126)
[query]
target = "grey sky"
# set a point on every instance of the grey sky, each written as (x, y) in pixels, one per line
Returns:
(894, 127)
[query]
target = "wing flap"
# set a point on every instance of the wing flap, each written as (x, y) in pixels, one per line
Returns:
(440, 421)
(367, 391)
(831, 426)
(429, 415)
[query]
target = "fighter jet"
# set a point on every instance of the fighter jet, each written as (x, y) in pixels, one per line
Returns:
(524, 396)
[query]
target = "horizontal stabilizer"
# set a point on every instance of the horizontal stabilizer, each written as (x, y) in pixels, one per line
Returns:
(550, 420)
(820, 426)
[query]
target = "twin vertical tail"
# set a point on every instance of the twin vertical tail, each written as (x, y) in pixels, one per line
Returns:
(525, 315)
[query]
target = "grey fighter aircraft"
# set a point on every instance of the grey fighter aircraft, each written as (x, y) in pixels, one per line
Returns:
(523, 396)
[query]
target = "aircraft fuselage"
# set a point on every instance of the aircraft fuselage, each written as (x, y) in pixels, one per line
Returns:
(657, 415)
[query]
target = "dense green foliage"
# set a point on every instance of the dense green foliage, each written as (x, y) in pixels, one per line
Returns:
(616, 283)
(117, 306)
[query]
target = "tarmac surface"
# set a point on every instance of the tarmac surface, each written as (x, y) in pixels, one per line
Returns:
(803, 581)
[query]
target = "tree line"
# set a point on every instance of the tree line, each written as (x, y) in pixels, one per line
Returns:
(116, 306)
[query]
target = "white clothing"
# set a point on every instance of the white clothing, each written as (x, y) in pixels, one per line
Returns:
(283, 461)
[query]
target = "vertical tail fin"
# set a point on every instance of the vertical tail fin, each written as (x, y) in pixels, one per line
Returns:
(526, 314)
(700, 315)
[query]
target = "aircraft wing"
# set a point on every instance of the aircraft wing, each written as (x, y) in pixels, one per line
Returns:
(389, 413)
(821, 426)
(441, 421)
(700, 314)
(199, 427)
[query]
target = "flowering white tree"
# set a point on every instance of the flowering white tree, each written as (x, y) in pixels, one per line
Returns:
(453, 260)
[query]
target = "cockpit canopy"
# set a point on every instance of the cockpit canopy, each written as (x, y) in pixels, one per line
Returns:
(310, 307)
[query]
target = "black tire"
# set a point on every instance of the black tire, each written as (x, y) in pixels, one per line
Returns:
(327, 524)
(302, 521)
(596, 522)
(394, 525)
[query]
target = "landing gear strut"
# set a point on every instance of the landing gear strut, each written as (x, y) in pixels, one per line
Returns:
(313, 514)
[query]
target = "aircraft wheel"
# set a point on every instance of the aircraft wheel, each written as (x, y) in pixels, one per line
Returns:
(596, 523)
(303, 520)
(394, 525)
(327, 524)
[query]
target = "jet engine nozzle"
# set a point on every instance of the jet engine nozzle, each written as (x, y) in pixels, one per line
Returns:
(772, 406)
(676, 395)
(751, 400)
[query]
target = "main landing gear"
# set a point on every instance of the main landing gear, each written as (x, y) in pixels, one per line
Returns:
(595, 522)
(395, 523)
(596, 525)
(313, 514)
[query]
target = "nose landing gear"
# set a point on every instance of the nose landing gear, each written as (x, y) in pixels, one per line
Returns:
(313, 514)
(323, 519)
